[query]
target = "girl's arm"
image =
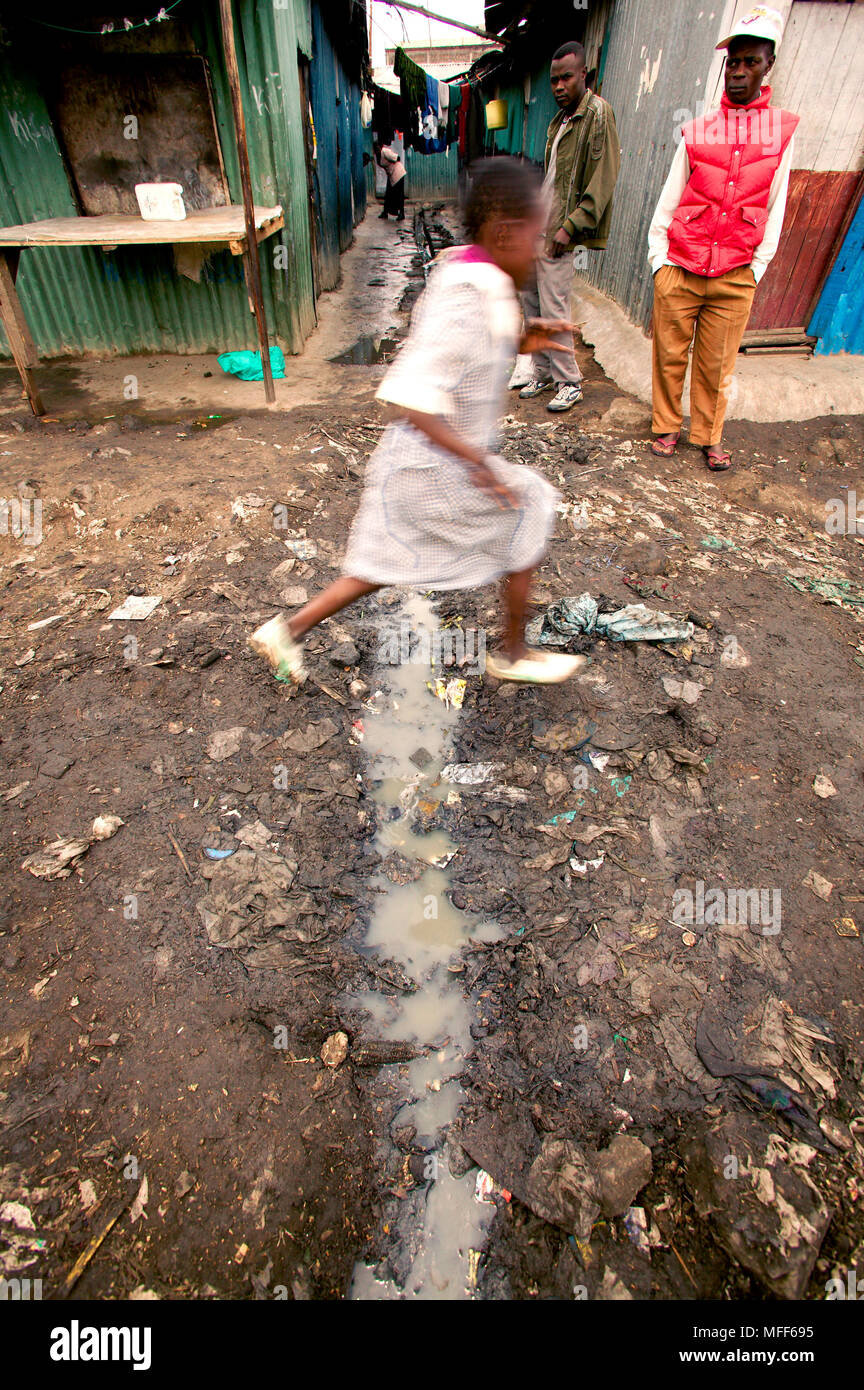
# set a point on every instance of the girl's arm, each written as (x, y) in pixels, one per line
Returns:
(439, 432)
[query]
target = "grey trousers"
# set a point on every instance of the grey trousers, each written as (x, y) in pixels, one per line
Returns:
(550, 298)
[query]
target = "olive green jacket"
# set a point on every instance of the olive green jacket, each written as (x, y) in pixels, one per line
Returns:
(586, 169)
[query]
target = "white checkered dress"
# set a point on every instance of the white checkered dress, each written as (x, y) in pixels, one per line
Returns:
(421, 521)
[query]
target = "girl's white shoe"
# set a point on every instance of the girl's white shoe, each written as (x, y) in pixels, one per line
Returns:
(274, 642)
(538, 668)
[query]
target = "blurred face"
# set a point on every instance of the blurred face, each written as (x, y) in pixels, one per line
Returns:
(513, 244)
(748, 63)
(567, 76)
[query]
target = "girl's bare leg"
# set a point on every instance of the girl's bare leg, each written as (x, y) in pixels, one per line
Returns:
(515, 590)
(333, 599)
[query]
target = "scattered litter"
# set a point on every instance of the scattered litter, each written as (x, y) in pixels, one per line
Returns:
(819, 885)
(568, 617)
(335, 1050)
(824, 787)
(15, 791)
(562, 1187)
(301, 547)
(841, 592)
(245, 506)
(218, 853)
(716, 543)
(636, 1226)
(470, 774)
(26, 658)
(136, 1211)
(246, 364)
(688, 691)
(486, 1189)
(56, 860)
(104, 827)
(566, 737)
(621, 784)
(312, 737)
(451, 693)
(224, 743)
(46, 622)
(581, 866)
(845, 926)
(134, 608)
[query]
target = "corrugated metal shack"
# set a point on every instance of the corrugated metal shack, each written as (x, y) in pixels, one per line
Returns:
(84, 115)
(655, 62)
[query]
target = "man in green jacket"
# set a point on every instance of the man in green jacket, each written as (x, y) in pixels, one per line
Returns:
(582, 160)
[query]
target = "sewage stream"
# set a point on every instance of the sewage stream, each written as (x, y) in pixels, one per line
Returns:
(438, 1235)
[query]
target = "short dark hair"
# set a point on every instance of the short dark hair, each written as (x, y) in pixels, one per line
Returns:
(499, 187)
(577, 49)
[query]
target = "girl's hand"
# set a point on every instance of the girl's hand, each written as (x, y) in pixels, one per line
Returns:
(483, 477)
(539, 334)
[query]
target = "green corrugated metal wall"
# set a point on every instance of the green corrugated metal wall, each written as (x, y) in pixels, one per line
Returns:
(83, 300)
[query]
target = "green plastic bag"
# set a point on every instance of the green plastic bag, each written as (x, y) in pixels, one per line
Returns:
(247, 364)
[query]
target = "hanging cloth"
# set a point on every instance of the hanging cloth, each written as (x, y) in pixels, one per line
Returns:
(462, 121)
(455, 101)
(435, 144)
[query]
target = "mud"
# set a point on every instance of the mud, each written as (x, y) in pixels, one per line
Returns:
(134, 1048)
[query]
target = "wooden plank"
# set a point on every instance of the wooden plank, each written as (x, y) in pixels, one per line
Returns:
(772, 287)
(828, 196)
(817, 206)
(250, 253)
(18, 334)
(208, 225)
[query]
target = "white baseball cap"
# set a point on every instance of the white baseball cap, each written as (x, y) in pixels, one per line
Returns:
(759, 23)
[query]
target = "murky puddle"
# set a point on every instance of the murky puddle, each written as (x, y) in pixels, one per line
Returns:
(368, 351)
(415, 924)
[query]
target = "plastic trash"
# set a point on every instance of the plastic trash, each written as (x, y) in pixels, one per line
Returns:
(569, 617)
(246, 364)
(135, 608)
(451, 693)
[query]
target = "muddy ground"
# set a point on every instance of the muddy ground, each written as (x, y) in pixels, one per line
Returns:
(168, 1091)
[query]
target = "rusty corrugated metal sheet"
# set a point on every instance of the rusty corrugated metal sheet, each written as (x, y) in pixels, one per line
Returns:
(838, 322)
(655, 63)
(82, 300)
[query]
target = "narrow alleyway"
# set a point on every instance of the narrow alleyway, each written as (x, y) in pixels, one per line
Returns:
(486, 894)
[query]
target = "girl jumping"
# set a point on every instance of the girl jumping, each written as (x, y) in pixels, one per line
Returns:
(439, 509)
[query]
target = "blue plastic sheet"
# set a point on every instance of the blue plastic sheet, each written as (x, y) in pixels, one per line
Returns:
(247, 364)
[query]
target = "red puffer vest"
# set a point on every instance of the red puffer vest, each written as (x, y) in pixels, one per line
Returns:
(734, 154)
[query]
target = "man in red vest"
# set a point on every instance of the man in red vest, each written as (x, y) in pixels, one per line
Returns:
(715, 229)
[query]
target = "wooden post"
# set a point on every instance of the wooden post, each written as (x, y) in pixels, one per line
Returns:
(250, 259)
(12, 317)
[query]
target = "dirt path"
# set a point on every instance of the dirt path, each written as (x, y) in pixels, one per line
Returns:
(160, 1050)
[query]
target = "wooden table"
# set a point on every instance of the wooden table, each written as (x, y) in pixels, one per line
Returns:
(223, 226)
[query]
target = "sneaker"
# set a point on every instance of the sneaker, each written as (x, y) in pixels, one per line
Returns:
(567, 397)
(535, 388)
(537, 668)
(274, 642)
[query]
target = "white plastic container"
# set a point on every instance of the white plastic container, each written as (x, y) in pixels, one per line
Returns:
(160, 202)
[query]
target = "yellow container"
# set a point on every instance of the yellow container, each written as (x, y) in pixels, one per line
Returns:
(497, 116)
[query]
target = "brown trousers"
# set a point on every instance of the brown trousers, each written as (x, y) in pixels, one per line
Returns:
(717, 308)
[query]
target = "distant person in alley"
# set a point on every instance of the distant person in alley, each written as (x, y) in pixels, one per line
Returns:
(440, 510)
(582, 160)
(394, 197)
(714, 232)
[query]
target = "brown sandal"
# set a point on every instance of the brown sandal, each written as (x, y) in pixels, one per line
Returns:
(665, 448)
(718, 463)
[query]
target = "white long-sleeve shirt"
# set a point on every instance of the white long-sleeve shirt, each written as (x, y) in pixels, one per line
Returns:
(673, 192)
